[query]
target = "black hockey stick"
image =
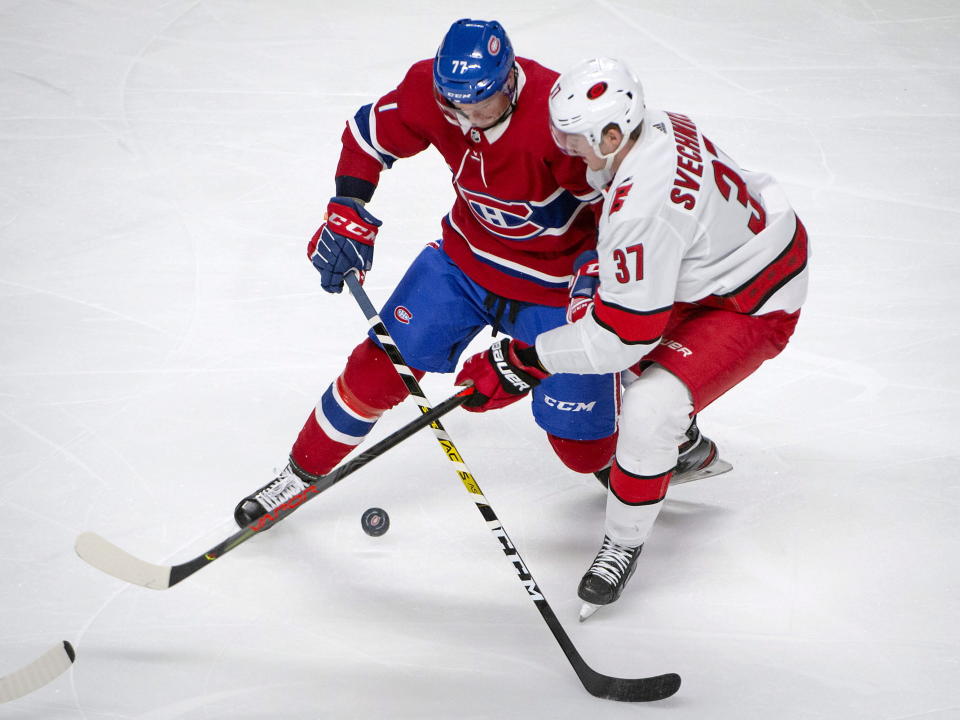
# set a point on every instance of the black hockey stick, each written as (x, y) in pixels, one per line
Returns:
(603, 686)
(108, 558)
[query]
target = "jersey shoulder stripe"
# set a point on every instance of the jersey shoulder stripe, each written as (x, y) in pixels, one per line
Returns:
(363, 127)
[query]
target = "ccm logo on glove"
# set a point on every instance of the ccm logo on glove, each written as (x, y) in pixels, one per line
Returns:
(344, 243)
(351, 228)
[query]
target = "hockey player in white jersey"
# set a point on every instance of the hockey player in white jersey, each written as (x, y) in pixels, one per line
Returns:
(702, 269)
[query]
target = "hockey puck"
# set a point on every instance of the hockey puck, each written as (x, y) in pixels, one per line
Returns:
(375, 522)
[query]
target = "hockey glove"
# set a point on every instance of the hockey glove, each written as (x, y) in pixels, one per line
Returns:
(343, 243)
(586, 280)
(501, 375)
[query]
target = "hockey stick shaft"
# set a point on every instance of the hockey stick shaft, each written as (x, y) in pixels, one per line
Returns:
(108, 558)
(640, 689)
(316, 484)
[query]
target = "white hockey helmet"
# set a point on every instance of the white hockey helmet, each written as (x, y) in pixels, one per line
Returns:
(591, 95)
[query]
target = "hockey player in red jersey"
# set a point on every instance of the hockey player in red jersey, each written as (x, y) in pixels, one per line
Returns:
(523, 212)
(700, 273)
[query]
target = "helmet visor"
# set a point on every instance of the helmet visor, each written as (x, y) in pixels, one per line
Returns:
(573, 144)
(487, 112)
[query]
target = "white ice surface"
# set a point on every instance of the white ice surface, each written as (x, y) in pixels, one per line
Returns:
(162, 338)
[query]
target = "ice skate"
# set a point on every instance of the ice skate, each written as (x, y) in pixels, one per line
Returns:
(607, 576)
(699, 458)
(285, 486)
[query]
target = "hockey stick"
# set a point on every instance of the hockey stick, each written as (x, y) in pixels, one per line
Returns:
(603, 686)
(108, 558)
(44, 669)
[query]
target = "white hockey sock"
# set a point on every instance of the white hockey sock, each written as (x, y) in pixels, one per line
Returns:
(629, 524)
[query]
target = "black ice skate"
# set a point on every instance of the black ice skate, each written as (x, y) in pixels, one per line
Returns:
(285, 486)
(699, 458)
(608, 575)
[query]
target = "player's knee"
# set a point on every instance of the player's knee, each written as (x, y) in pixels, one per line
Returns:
(370, 382)
(584, 456)
(656, 411)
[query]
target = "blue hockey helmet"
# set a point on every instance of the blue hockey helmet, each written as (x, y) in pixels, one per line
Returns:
(473, 62)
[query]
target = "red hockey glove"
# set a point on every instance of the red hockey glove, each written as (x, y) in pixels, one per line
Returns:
(501, 375)
(586, 279)
(343, 243)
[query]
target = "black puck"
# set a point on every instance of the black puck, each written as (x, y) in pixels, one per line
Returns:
(375, 522)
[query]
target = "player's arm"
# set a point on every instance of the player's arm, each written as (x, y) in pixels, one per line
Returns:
(639, 263)
(626, 320)
(377, 135)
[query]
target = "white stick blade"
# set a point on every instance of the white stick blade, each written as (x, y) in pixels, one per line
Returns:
(108, 558)
(38, 673)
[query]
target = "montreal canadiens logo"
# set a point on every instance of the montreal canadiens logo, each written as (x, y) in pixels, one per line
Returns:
(403, 315)
(493, 45)
(512, 220)
(596, 90)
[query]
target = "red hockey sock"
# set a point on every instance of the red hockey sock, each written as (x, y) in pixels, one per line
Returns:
(368, 386)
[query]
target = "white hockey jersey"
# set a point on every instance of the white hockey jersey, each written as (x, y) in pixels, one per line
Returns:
(681, 222)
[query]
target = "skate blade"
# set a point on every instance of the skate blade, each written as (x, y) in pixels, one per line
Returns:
(718, 468)
(588, 609)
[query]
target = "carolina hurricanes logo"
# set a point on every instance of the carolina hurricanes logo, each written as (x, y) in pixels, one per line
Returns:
(596, 90)
(493, 46)
(502, 217)
(403, 315)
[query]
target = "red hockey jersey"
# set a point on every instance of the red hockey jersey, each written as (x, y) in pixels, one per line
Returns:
(521, 213)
